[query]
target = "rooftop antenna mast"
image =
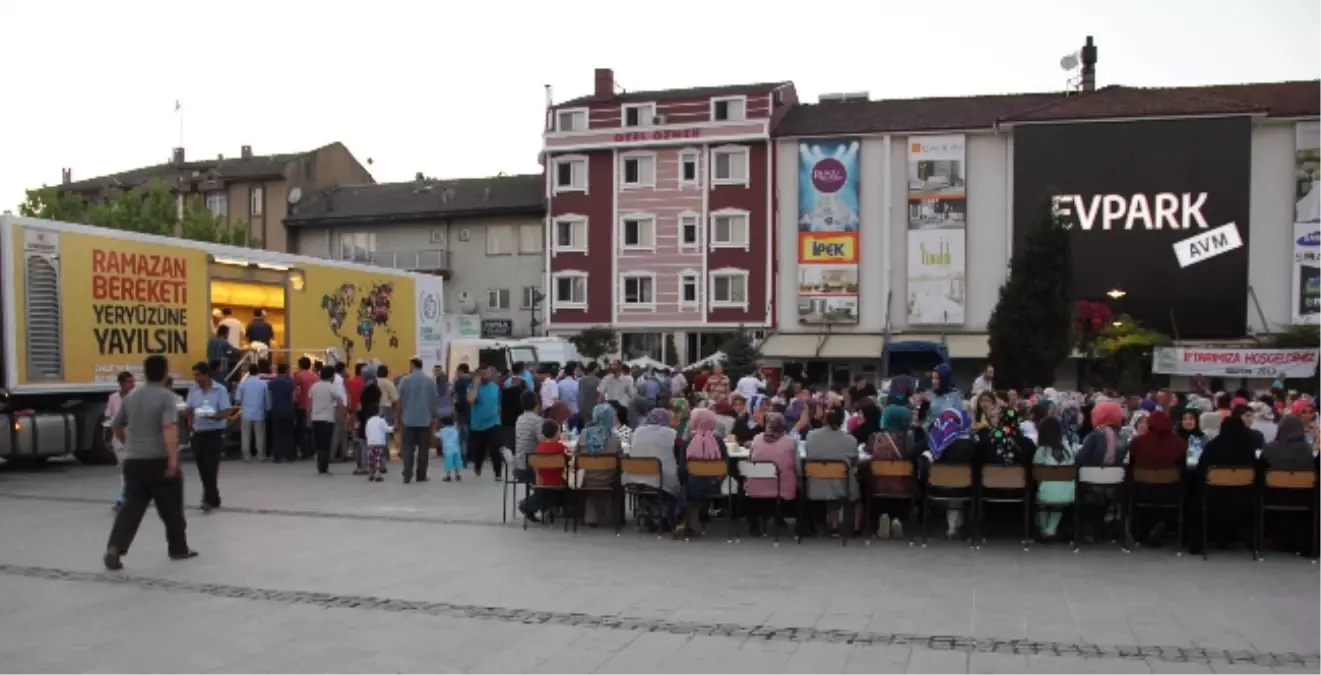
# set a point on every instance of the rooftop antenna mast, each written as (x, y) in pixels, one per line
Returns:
(1069, 64)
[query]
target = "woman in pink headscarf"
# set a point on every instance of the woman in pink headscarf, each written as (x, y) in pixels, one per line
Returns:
(704, 444)
(1104, 446)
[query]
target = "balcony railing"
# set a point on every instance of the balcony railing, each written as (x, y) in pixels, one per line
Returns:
(412, 261)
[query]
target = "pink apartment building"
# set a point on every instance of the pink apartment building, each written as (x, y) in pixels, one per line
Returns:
(661, 214)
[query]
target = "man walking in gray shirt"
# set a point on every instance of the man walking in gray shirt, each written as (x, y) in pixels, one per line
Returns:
(147, 425)
(418, 399)
(589, 393)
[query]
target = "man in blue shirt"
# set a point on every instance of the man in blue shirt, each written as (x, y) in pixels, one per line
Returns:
(462, 383)
(282, 391)
(208, 403)
(253, 399)
(417, 415)
(484, 422)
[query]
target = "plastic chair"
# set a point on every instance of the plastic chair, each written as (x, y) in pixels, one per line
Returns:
(640, 467)
(951, 477)
(890, 468)
(1046, 473)
(825, 469)
(1007, 478)
(1228, 478)
(597, 463)
(715, 469)
(751, 469)
(1103, 479)
(1288, 479)
(548, 462)
(1139, 475)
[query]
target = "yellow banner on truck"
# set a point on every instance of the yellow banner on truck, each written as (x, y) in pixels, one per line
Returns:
(368, 316)
(117, 302)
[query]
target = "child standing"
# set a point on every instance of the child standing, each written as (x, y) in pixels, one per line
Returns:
(452, 449)
(378, 439)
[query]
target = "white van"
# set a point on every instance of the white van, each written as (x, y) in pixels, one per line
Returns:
(477, 352)
(550, 350)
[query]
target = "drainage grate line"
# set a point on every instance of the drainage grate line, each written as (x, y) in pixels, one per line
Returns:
(955, 643)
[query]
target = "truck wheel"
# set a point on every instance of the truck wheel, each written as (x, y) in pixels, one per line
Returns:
(99, 454)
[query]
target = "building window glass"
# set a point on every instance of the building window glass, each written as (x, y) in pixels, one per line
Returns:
(499, 240)
(497, 299)
(218, 204)
(257, 201)
(638, 290)
(359, 247)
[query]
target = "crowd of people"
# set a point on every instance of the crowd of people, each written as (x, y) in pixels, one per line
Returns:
(504, 417)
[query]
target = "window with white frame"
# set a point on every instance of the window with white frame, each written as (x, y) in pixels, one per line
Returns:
(570, 234)
(531, 297)
(256, 201)
(638, 170)
(688, 163)
(639, 289)
(729, 229)
(530, 239)
(688, 281)
(500, 239)
(571, 120)
(729, 166)
(690, 231)
(359, 247)
(217, 203)
(638, 231)
(570, 290)
(571, 174)
(729, 109)
(729, 288)
(639, 114)
(497, 299)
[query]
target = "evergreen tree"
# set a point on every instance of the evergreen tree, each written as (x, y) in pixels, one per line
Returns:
(1029, 328)
(595, 342)
(741, 356)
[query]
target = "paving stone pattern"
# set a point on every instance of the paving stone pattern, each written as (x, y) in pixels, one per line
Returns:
(384, 563)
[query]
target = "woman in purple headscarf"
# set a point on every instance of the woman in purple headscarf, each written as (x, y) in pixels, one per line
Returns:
(949, 441)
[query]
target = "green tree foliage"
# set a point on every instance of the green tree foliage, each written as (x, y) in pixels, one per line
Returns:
(1029, 330)
(596, 342)
(153, 210)
(741, 356)
(1125, 346)
(1295, 337)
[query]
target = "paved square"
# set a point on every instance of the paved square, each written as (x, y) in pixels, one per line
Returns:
(301, 573)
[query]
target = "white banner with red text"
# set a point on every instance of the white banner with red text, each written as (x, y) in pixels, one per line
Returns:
(1265, 363)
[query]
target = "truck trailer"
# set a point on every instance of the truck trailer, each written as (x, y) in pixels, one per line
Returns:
(82, 304)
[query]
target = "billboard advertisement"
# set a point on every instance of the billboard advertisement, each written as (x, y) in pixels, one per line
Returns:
(937, 216)
(828, 231)
(1253, 363)
(119, 301)
(1306, 286)
(1156, 209)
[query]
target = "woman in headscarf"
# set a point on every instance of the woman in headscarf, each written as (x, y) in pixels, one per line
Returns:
(1191, 432)
(868, 421)
(999, 442)
(679, 420)
(638, 407)
(943, 396)
(893, 442)
(831, 442)
(949, 441)
(1052, 450)
(620, 421)
(703, 444)
(1230, 511)
(724, 412)
(599, 438)
(1137, 426)
(1159, 448)
(1104, 446)
(655, 438)
(1290, 450)
(773, 444)
(1210, 423)
(746, 426)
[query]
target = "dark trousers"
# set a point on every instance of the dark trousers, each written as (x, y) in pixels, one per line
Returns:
(207, 448)
(282, 443)
(323, 433)
(416, 446)
(485, 443)
(144, 483)
(306, 444)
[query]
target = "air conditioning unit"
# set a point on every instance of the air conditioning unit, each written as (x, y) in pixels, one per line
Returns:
(438, 236)
(465, 234)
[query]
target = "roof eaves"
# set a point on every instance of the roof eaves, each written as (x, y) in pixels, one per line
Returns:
(412, 216)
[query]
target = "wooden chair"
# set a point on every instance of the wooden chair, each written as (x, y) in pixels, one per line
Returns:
(717, 470)
(751, 469)
(1013, 484)
(1138, 475)
(547, 462)
(595, 463)
(1045, 473)
(1288, 479)
(1228, 478)
(951, 477)
(641, 467)
(1107, 481)
(889, 468)
(826, 469)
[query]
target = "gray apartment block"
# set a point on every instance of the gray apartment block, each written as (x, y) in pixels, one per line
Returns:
(486, 236)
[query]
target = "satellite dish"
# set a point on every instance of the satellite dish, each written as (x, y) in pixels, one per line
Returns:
(466, 302)
(295, 195)
(1069, 62)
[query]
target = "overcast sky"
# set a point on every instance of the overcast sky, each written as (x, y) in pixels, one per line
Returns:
(455, 89)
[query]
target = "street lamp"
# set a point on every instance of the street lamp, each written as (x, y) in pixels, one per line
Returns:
(1116, 293)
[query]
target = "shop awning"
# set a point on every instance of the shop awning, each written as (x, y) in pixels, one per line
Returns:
(961, 346)
(853, 347)
(790, 346)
